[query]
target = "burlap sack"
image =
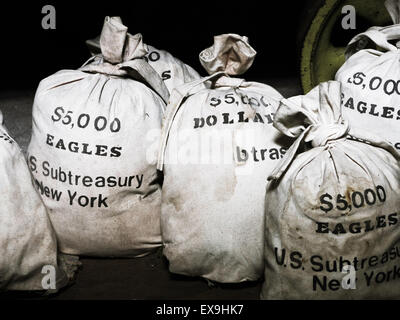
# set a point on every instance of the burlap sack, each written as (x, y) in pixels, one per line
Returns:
(218, 148)
(28, 247)
(332, 217)
(370, 79)
(90, 151)
(172, 70)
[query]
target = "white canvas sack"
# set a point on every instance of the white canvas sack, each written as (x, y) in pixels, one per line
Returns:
(27, 241)
(218, 148)
(90, 151)
(332, 226)
(370, 79)
(172, 70)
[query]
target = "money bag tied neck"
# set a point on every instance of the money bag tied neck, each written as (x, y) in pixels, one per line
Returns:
(218, 147)
(332, 226)
(369, 77)
(93, 149)
(122, 54)
(230, 54)
(115, 45)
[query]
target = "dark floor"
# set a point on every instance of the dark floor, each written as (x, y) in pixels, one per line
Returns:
(143, 278)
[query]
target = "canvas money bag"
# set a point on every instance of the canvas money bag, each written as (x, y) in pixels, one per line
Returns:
(90, 151)
(370, 79)
(172, 70)
(218, 146)
(332, 226)
(28, 247)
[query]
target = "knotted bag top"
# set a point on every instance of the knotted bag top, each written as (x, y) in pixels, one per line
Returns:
(317, 118)
(118, 53)
(230, 53)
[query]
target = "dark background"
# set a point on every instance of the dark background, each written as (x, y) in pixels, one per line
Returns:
(29, 53)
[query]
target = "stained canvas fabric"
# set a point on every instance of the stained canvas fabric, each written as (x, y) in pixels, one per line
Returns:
(370, 79)
(332, 227)
(218, 147)
(91, 150)
(28, 246)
